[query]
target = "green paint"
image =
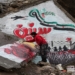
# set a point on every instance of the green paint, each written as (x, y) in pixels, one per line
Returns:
(48, 13)
(44, 10)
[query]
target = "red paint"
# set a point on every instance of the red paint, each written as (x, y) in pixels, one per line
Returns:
(44, 30)
(26, 31)
(19, 25)
(30, 30)
(20, 51)
(8, 51)
(29, 38)
(68, 39)
(31, 24)
(34, 30)
(23, 30)
(47, 30)
(43, 15)
(62, 26)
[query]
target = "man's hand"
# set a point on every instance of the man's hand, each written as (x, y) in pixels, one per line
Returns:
(37, 46)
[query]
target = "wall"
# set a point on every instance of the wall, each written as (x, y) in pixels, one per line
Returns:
(48, 20)
(6, 1)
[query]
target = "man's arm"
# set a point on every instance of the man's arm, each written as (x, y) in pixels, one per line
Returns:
(33, 40)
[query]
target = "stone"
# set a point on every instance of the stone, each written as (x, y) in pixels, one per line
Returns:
(19, 4)
(8, 64)
(14, 5)
(20, 0)
(15, 10)
(10, 9)
(43, 63)
(62, 73)
(73, 73)
(25, 2)
(49, 70)
(52, 74)
(68, 5)
(1, 8)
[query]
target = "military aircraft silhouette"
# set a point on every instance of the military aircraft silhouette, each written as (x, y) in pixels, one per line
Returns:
(19, 17)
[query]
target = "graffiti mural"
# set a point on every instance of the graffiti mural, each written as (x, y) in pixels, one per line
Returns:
(40, 21)
(21, 51)
(55, 25)
(63, 57)
(47, 20)
(27, 31)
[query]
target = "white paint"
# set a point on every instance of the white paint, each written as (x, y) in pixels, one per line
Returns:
(59, 17)
(11, 24)
(9, 56)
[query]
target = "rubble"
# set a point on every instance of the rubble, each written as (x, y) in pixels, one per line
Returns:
(7, 39)
(70, 68)
(73, 73)
(50, 69)
(41, 68)
(59, 67)
(8, 64)
(68, 7)
(16, 5)
(63, 73)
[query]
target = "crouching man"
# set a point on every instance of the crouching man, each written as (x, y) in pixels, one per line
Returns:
(42, 44)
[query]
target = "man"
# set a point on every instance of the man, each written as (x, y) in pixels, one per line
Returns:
(42, 43)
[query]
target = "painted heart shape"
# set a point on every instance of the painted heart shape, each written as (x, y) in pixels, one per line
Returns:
(7, 50)
(23, 30)
(68, 39)
(19, 25)
(31, 24)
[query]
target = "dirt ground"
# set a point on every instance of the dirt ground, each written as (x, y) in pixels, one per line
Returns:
(30, 69)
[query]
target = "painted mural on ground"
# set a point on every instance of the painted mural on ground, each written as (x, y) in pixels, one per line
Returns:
(47, 20)
(66, 48)
(18, 52)
(46, 27)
